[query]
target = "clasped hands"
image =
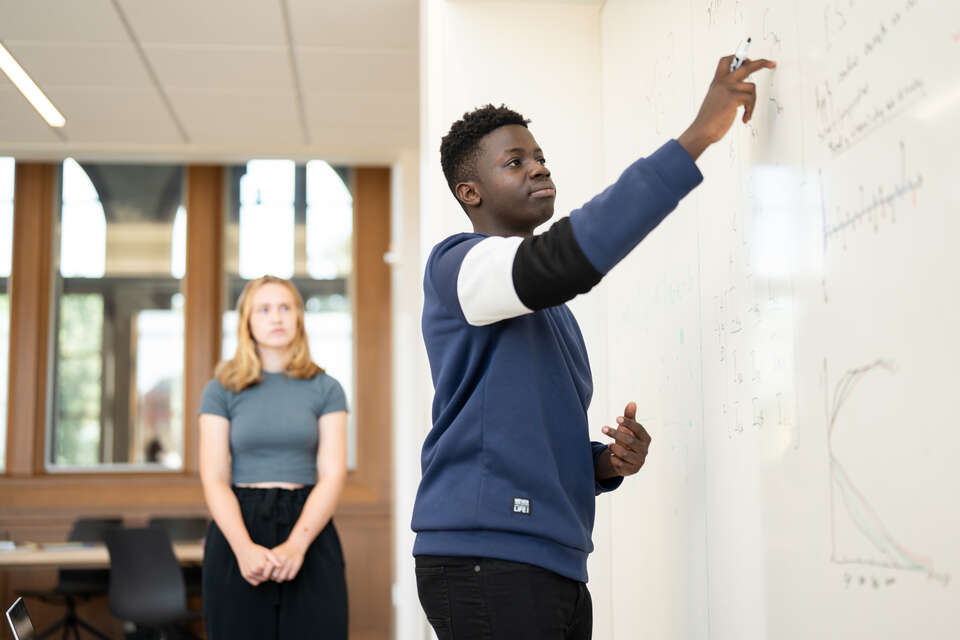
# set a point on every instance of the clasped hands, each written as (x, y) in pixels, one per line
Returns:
(258, 564)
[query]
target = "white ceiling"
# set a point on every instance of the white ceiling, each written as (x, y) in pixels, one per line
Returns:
(213, 80)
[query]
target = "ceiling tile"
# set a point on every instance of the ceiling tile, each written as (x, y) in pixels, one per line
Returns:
(237, 118)
(335, 71)
(101, 65)
(390, 109)
(233, 22)
(19, 123)
(356, 24)
(265, 68)
(365, 139)
(60, 21)
(115, 116)
(224, 65)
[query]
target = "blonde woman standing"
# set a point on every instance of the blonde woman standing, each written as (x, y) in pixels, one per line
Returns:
(273, 464)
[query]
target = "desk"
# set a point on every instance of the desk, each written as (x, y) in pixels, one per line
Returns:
(87, 557)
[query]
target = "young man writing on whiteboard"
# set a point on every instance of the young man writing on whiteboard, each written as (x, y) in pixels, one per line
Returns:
(504, 513)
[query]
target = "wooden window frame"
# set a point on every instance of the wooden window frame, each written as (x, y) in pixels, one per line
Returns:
(27, 487)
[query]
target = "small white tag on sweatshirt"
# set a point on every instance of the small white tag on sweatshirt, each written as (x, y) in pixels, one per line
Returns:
(521, 506)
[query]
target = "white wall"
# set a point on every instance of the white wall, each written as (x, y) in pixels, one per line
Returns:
(541, 60)
(411, 385)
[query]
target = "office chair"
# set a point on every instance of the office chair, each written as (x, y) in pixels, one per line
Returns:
(78, 585)
(146, 586)
(185, 529)
(182, 528)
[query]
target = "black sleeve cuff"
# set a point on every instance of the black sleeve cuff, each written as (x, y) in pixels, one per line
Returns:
(550, 268)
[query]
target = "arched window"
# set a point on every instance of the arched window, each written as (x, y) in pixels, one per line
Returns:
(329, 222)
(118, 372)
(296, 222)
(266, 219)
(6, 217)
(83, 226)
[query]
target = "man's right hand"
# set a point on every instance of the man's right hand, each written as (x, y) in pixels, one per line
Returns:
(256, 563)
(728, 91)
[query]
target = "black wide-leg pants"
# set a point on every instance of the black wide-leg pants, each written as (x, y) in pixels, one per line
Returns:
(312, 605)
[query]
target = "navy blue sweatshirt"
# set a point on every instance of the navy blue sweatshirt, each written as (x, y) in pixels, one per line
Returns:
(508, 467)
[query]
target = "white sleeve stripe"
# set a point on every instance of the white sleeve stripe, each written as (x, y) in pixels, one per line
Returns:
(485, 282)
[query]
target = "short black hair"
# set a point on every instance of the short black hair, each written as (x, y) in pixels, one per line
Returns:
(458, 149)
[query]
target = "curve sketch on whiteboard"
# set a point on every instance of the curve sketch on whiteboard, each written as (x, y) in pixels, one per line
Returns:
(874, 205)
(844, 494)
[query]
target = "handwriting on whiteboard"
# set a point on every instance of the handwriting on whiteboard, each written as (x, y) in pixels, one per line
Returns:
(857, 95)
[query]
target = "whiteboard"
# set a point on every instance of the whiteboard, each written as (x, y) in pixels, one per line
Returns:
(791, 332)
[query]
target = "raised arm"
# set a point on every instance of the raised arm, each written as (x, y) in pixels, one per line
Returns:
(495, 278)
(503, 277)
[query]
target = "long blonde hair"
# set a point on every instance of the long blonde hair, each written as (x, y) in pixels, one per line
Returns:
(243, 369)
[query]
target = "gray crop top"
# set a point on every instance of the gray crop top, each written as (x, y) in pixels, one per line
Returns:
(273, 425)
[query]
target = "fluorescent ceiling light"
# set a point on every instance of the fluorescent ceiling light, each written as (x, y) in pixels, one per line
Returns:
(29, 89)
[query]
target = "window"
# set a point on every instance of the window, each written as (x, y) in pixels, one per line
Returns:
(296, 222)
(118, 373)
(329, 227)
(6, 260)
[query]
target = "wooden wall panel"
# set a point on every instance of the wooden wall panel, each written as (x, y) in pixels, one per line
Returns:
(30, 281)
(369, 576)
(364, 518)
(370, 288)
(203, 296)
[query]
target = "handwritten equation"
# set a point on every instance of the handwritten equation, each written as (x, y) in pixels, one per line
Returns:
(857, 94)
(857, 119)
(753, 355)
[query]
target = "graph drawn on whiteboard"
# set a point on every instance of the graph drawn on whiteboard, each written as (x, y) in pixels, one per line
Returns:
(851, 511)
(874, 206)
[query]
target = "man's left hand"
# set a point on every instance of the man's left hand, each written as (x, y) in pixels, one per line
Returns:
(631, 442)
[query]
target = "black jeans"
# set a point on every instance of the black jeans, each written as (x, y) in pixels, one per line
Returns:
(487, 599)
(312, 605)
